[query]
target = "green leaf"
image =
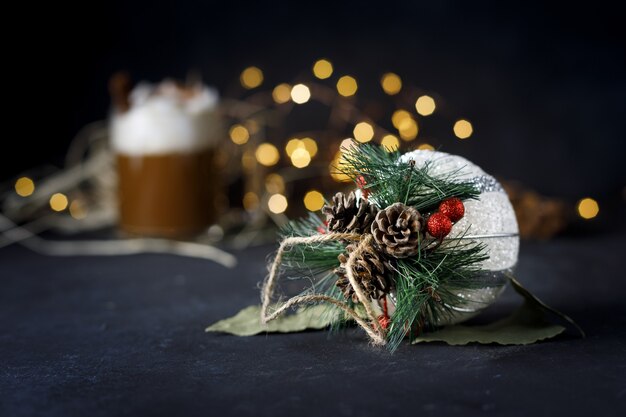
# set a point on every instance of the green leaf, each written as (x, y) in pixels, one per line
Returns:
(528, 324)
(248, 321)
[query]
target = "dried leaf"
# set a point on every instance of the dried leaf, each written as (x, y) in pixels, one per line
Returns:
(248, 321)
(528, 324)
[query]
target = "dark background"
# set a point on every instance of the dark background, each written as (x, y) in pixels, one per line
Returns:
(544, 85)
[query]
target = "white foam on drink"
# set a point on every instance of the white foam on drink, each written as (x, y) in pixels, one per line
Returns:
(166, 119)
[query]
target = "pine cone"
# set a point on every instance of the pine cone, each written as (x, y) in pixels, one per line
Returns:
(371, 270)
(398, 230)
(344, 215)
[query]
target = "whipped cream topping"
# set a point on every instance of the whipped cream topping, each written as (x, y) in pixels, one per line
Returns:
(166, 118)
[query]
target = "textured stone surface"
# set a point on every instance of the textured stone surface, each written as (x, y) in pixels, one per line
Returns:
(125, 336)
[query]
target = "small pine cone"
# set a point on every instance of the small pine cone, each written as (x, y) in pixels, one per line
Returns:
(398, 230)
(371, 270)
(344, 215)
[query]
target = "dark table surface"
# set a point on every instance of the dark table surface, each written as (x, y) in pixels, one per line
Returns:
(118, 336)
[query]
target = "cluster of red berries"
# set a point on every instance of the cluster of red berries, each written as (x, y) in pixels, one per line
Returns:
(450, 211)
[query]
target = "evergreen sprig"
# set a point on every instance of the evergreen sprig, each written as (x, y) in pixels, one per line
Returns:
(390, 181)
(426, 287)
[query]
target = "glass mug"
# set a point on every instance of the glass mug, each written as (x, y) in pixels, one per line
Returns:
(167, 179)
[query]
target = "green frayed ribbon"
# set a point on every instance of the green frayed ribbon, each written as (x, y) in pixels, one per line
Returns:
(528, 324)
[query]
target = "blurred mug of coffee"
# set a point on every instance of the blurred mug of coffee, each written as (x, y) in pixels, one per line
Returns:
(164, 138)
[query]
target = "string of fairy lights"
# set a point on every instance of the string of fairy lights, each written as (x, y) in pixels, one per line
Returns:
(301, 151)
(267, 191)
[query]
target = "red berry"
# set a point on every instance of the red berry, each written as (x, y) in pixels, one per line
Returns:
(384, 321)
(361, 183)
(452, 208)
(438, 225)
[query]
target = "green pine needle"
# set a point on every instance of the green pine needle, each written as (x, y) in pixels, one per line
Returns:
(390, 181)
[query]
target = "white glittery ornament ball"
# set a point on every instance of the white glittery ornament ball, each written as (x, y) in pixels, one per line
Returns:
(489, 220)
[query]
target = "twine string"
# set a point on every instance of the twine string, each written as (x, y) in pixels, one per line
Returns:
(376, 333)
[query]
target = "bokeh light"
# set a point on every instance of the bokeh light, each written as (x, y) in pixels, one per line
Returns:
(347, 143)
(310, 145)
(425, 105)
(78, 210)
(391, 83)
(274, 183)
(398, 116)
(426, 147)
(24, 186)
(251, 77)
(347, 86)
(239, 134)
(390, 143)
(323, 69)
(58, 202)
(588, 208)
(363, 132)
(463, 129)
(300, 158)
(267, 154)
(248, 161)
(250, 201)
(408, 129)
(300, 94)
(313, 200)
(336, 165)
(281, 93)
(292, 145)
(277, 203)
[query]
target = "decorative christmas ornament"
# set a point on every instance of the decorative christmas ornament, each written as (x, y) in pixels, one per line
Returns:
(439, 225)
(453, 209)
(378, 267)
(347, 214)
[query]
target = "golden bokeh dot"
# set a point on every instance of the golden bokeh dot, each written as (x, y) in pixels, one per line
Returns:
(310, 145)
(300, 94)
(24, 186)
(58, 202)
(251, 77)
(588, 208)
(347, 143)
(335, 168)
(248, 161)
(408, 129)
(398, 116)
(292, 145)
(78, 210)
(323, 69)
(390, 143)
(267, 154)
(250, 201)
(274, 183)
(347, 86)
(239, 134)
(300, 158)
(426, 147)
(425, 105)
(313, 200)
(281, 93)
(252, 126)
(463, 129)
(391, 83)
(277, 203)
(363, 132)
